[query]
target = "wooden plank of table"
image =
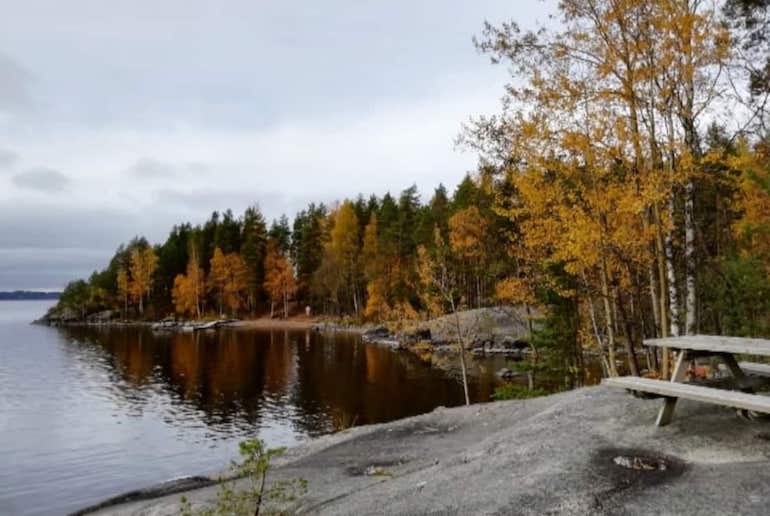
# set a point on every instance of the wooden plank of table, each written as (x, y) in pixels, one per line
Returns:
(735, 399)
(714, 344)
(755, 369)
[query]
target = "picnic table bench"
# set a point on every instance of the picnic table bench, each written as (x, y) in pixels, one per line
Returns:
(697, 346)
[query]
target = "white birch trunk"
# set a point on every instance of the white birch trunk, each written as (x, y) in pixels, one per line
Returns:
(673, 303)
(689, 253)
(608, 320)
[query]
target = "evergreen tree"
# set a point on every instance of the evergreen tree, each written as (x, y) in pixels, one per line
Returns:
(253, 250)
(307, 246)
(281, 233)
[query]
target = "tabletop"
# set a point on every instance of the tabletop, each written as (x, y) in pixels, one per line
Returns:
(715, 344)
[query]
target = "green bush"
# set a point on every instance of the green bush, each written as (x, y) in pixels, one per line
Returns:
(513, 391)
(253, 467)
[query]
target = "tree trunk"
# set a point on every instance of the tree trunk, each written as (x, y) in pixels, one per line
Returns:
(594, 325)
(609, 326)
(673, 302)
(689, 254)
(654, 301)
(633, 364)
(462, 354)
(687, 118)
(660, 258)
(197, 297)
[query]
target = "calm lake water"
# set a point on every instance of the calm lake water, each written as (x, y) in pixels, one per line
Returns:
(88, 413)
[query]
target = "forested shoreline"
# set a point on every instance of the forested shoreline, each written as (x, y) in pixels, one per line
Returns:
(367, 258)
(624, 190)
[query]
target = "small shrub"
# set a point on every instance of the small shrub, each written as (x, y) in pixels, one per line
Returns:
(513, 391)
(254, 466)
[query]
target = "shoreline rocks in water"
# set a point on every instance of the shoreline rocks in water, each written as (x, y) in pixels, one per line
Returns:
(68, 317)
(171, 324)
(562, 454)
(486, 331)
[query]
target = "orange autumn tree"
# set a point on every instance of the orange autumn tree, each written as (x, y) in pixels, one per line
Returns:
(236, 285)
(753, 227)
(599, 144)
(189, 289)
(344, 247)
(377, 306)
(142, 265)
(228, 278)
(218, 277)
(124, 291)
(467, 231)
(280, 283)
(430, 295)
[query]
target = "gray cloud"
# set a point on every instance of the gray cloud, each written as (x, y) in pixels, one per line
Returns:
(14, 85)
(41, 179)
(133, 98)
(198, 203)
(51, 269)
(7, 159)
(44, 246)
(45, 227)
(150, 168)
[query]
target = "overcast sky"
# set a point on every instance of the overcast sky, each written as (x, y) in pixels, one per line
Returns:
(123, 118)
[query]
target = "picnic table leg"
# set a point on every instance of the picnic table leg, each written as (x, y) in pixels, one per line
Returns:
(741, 379)
(669, 404)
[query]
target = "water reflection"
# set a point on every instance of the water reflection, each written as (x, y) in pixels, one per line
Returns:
(86, 413)
(235, 380)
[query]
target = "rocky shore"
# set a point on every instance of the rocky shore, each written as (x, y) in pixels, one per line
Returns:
(486, 331)
(588, 451)
(112, 318)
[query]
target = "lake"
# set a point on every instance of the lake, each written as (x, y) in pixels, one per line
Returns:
(87, 413)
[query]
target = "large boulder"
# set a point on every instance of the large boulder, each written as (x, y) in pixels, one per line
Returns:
(56, 316)
(485, 327)
(377, 332)
(101, 317)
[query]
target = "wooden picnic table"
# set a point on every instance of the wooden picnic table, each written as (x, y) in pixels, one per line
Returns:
(714, 344)
(697, 346)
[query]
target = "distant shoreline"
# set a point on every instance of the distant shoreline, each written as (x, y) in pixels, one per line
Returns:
(28, 295)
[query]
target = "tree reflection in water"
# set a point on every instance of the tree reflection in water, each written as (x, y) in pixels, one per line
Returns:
(234, 381)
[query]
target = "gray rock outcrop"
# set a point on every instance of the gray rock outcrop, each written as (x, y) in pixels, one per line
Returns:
(589, 451)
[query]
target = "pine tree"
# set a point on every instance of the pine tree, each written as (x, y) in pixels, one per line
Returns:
(253, 250)
(281, 233)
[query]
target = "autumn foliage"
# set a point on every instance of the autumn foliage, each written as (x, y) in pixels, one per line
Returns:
(611, 195)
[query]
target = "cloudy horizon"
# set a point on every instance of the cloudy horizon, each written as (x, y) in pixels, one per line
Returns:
(122, 120)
